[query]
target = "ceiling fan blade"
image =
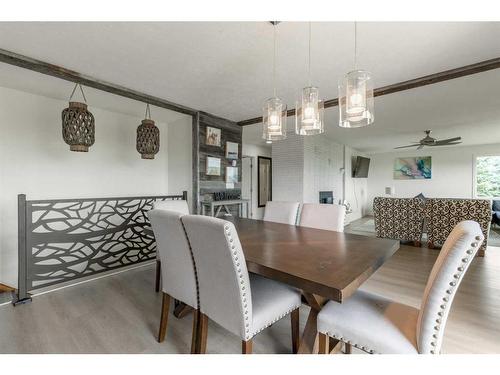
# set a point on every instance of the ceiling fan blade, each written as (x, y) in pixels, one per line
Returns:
(407, 146)
(446, 144)
(447, 141)
(420, 147)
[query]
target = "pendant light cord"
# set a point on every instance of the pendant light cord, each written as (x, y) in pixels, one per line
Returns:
(355, 45)
(147, 115)
(274, 62)
(309, 67)
(73, 92)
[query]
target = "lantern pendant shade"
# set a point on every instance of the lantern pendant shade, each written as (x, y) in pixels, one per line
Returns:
(148, 139)
(78, 127)
(274, 119)
(356, 100)
(309, 113)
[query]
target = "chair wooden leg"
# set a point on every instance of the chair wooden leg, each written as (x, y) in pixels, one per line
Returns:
(246, 347)
(158, 276)
(164, 317)
(294, 317)
(201, 345)
(323, 343)
(196, 328)
(348, 348)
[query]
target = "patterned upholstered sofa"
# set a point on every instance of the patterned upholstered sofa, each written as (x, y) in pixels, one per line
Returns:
(443, 214)
(407, 219)
(399, 218)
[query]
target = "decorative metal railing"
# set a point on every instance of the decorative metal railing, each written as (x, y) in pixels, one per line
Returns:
(66, 239)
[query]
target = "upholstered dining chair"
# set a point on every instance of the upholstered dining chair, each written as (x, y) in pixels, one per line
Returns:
(178, 271)
(241, 303)
(376, 324)
(281, 212)
(323, 216)
(180, 206)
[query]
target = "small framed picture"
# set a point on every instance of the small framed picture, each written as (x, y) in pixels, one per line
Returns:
(232, 150)
(213, 166)
(231, 175)
(213, 136)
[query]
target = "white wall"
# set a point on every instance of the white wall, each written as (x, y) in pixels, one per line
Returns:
(254, 151)
(180, 156)
(452, 173)
(35, 160)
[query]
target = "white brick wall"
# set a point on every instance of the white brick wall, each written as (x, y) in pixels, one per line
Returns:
(304, 166)
(288, 168)
(323, 160)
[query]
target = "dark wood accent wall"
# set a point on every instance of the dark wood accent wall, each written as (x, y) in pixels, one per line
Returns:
(230, 132)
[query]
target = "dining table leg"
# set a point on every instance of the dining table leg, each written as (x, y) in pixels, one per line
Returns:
(309, 344)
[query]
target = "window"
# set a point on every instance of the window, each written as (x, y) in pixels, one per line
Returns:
(487, 179)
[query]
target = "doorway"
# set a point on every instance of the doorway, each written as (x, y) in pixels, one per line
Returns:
(264, 180)
(247, 182)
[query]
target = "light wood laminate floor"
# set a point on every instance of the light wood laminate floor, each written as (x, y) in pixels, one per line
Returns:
(120, 313)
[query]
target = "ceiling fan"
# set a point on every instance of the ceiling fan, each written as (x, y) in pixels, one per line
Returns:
(429, 141)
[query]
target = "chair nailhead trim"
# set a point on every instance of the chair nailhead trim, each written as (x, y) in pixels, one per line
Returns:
(344, 340)
(274, 321)
(450, 291)
(244, 305)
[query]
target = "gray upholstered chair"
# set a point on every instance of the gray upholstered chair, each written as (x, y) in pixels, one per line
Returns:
(323, 216)
(180, 206)
(241, 303)
(378, 325)
(281, 212)
(178, 271)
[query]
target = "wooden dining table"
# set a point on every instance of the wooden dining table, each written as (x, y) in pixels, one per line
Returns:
(324, 265)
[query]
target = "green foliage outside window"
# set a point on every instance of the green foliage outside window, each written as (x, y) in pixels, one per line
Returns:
(488, 177)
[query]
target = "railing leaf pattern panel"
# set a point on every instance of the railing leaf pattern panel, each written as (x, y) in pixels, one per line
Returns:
(69, 239)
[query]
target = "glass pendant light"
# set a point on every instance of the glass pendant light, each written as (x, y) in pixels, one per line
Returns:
(274, 114)
(356, 96)
(309, 110)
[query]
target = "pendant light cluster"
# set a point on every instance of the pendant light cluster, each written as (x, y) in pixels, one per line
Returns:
(78, 129)
(355, 102)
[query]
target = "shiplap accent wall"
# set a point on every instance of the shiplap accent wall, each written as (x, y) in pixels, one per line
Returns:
(230, 132)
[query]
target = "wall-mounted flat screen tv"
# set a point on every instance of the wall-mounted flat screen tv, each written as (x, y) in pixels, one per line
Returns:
(361, 167)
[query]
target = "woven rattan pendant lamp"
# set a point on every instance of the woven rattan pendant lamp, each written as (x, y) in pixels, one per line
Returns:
(78, 124)
(148, 137)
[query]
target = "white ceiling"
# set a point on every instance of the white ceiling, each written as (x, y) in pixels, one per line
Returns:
(40, 84)
(225, 69)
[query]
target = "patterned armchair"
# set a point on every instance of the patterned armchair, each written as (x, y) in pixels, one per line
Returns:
(399, 218)
(443, 214)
